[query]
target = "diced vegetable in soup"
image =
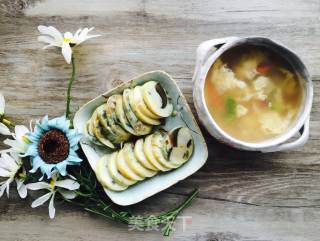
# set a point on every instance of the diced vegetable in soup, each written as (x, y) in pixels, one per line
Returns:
(253, 94)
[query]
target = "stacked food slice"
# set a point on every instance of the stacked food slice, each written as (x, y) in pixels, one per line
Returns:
(132, 113)
(157, 152)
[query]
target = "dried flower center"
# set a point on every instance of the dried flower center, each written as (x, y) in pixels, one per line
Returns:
(53, 146)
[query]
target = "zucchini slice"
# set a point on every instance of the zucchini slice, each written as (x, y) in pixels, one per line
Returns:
(180, 155)
(116, 175)
(122, 116)
(148, 151)
(87, 134)
(103, 121)
(136, 108)
(182, 145)
(139, 153)
(181, 137)
(157, 99)
(113, 120)
(125, 169)
(161, 150)
(139, 127)
(98, 132)
(103, 175)
(137, 93)
(134, 164)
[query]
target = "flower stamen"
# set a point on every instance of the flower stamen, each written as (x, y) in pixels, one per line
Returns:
(52, 183)
(53, 146)
(26, 140)
(70, 41)
(67, 40)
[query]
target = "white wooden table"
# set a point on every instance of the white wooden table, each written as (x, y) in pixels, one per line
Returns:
(243, 196)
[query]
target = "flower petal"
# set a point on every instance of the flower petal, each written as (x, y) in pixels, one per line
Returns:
(68, 35)
(62, 168)
(66, 52)
(76, 35)
(49, 40)
(2, 104)
(4, 130)
(21, 188)
(2, 188)
(16, 146)
(91, 36)
(31, 125)
(74, 137)
(60, 123)
(72, 177)
(41, 200)
(35, 135)
(53, 32)
(38, 186)
(68, 184)
(44, 123)
(3, 164)
(4, 173)
(20, 131)
(83, 35)
(32, 150)
(11, 163)
(8, 182)
(78, 32)
(74, 159)
(52, 210)
(36, 163)
(67, 194)
(47, 169)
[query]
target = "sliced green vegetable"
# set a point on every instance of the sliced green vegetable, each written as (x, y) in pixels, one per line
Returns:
(230, 109)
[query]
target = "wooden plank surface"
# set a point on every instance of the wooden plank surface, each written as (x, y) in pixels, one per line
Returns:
(243, 195)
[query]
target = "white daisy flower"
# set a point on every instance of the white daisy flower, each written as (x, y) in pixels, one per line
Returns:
(65, 187)
(4, 130)
(20, 142)
(53, 37)
(11, 168)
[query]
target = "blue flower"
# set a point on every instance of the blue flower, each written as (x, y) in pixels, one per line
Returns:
(53, 146)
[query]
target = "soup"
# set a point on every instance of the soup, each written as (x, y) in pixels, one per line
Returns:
(252, 93)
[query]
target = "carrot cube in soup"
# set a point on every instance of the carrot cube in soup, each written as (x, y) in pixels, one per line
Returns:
(264, 68)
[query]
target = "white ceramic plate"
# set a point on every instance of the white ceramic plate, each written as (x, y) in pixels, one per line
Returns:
(161, 181)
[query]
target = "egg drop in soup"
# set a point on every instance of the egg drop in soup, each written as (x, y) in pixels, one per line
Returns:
(253, 94)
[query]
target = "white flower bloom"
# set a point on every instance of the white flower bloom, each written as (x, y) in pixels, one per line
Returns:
(4, 130)
(53, 37)
(65, 187)
(10, 166)
(19, 144)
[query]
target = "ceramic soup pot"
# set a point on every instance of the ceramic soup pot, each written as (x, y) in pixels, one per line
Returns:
(297, 135)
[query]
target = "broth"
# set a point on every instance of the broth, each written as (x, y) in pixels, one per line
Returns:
(252, 93)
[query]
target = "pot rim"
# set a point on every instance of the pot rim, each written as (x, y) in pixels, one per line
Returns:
(294, 60)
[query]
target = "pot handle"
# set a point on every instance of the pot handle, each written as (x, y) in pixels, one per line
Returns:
(304, 135)
(205, 49)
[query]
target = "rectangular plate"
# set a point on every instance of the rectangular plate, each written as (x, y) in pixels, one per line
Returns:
(184, 116)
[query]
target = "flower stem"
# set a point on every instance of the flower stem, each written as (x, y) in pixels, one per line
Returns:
(68, 112)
